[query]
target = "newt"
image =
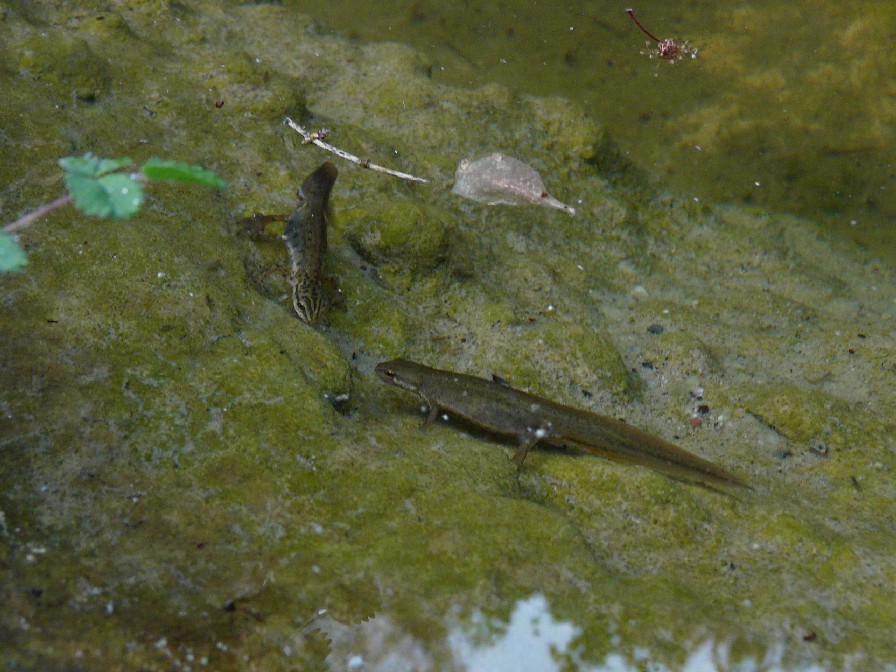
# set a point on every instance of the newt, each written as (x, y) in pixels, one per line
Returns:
(530, 419)
(305, 236)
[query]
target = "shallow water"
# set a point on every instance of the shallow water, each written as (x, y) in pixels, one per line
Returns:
(184, 484)
(791, 108)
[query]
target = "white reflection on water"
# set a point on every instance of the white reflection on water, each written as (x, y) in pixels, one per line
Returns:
(532, 641)
(525, 645)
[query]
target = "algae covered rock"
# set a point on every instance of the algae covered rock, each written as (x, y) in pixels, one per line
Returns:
(66, 63)
(400, 236)
(560, 354)
(566, 130)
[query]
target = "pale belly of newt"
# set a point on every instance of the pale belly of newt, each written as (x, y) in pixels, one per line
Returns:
(531, 419)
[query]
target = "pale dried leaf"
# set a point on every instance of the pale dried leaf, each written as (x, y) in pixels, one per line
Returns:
(502, 180)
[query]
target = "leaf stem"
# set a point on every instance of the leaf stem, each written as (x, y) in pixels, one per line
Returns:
(653, 37)
(25, 220)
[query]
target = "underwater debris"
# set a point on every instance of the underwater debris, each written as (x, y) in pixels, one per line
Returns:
(317, 138)
(666, 49)
(502, 180)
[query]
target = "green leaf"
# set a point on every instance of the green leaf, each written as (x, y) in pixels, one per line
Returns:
(125, 194)
(114, 195)
(12, 257)
(90, 166)
(158, 169)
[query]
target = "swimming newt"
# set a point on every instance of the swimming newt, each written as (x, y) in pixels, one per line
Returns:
(305, 236)
(530, 419)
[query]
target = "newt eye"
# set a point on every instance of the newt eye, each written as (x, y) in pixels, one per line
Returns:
(389, 373)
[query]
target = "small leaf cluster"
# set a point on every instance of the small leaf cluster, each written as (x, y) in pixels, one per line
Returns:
(99, 188)
(110, 188)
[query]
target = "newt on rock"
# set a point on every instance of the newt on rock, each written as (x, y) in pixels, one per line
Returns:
(530, 419)
(305, 236)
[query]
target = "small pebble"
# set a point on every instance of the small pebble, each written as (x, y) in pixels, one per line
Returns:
(819, 447)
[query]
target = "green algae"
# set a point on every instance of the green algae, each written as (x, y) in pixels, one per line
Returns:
(801, 417)
(589, 357)
(403, 238)
(176, 484)
(65, 63)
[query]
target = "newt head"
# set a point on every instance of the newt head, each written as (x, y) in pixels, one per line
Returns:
(401, 373)
(316, 188)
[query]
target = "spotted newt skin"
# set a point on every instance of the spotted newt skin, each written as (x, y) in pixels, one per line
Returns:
(530, 419)
(305, 236)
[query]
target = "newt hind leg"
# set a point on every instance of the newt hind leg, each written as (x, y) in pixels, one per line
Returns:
(525, 440)
(524, 443)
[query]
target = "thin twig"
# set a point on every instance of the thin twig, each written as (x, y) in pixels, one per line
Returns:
(316, 138)
(25, 220)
